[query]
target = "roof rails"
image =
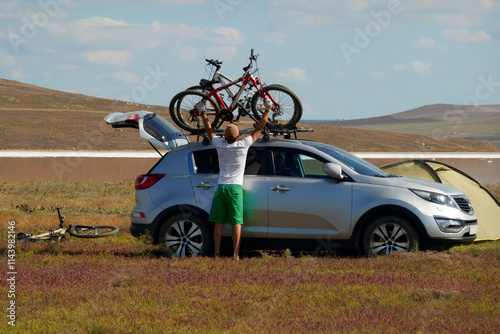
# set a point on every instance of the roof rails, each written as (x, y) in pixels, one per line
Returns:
(286, 133)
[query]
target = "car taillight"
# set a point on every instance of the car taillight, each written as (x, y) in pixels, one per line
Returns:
(145, 181)
(137, 214)
(133, 118)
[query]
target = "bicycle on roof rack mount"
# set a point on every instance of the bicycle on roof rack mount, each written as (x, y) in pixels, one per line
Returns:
(285, 132)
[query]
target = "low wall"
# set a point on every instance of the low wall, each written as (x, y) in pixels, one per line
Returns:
(125, 166)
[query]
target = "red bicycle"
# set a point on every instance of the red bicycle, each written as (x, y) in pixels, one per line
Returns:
(248, 100)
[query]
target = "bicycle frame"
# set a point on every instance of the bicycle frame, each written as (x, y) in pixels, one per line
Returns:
(246, 79)
(51, 234)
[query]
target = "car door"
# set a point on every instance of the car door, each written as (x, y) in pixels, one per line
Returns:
(305, 203)
(204, 176)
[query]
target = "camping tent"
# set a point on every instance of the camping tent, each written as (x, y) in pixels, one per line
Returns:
(486, 206)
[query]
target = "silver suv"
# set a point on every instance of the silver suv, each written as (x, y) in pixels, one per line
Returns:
(298, 194)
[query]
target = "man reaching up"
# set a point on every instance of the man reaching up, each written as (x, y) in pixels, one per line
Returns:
(227, 204)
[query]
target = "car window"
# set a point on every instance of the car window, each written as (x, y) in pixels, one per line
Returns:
(350, 160)
(298, 164)
(207, 162)
(254, 161)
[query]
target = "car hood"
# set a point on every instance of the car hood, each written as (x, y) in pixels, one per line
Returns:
(419, 184)
(151, 127)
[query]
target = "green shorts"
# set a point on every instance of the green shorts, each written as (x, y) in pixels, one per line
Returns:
(227, 205)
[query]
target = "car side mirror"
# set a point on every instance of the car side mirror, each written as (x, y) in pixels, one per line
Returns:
(333, 170)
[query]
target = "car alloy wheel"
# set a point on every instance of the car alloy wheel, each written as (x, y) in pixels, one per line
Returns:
(185, 235)
(388, 234)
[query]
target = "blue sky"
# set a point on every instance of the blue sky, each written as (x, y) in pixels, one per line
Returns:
(344, 59)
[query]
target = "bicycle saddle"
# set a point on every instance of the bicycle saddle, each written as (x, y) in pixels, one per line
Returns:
(204, 83)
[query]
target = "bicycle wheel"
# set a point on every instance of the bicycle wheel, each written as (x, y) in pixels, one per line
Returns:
(183, 111)
(81, 231)
(287, 110)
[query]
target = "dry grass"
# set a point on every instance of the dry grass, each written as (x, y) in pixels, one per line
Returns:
(122, 284)
(494, 189)
(115, 286)
(32, 118)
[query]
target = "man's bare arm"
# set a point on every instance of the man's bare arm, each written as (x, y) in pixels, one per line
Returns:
(262, 122)
(206, 123)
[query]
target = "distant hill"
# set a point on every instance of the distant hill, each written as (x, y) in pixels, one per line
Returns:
(36, 118)
(478, 123)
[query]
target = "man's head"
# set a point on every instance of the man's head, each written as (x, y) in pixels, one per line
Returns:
(232, 133)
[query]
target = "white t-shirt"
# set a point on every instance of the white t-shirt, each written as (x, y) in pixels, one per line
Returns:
(232, 159)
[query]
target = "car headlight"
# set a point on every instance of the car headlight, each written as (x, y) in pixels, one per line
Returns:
(436, 198)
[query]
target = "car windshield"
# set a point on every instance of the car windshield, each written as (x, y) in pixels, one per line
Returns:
(358, 165)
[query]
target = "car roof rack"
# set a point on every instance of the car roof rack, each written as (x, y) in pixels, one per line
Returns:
(287, 133)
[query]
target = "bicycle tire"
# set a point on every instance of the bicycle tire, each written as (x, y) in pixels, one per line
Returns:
(182, 108)
(82, 231)
(287, 112)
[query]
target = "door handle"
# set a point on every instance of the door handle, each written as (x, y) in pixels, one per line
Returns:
(280, 188)
(205, 185)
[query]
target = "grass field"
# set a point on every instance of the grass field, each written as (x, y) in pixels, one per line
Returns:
(122, 284)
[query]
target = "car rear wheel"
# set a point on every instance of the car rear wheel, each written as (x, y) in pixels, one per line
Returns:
(387, 234)
(185, 235)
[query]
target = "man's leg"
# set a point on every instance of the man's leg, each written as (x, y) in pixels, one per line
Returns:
(236, 240)
(217, 237)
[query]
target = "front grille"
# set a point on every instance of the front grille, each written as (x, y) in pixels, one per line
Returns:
(463, 203)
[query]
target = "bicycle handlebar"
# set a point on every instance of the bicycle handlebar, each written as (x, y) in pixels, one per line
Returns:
(252, 58)
(215, 62)
(61, 217)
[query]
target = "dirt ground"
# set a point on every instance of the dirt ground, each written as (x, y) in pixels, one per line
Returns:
(36, 118)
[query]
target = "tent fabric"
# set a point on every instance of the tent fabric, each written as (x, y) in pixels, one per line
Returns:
(486, 206)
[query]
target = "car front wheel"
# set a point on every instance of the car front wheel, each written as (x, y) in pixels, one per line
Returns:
(387, 234)
(185, 235)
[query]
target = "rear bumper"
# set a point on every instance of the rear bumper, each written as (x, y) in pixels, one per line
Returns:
(141, 229)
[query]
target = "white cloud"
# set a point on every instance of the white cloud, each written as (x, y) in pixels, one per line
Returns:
(7, 60)
(415, 66)
(100, 21)
(377, 74)
(294, 73)
(336, 73)
(299, 15)
(465, 36)
(222, 52)
(189, 53)
(127, 77)
(17, 74)
(227, 35)
(119, 58)
(425, 42)
(65, 67)
(273, 38)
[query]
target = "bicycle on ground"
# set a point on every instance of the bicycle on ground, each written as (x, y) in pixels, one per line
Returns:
(78, 231)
